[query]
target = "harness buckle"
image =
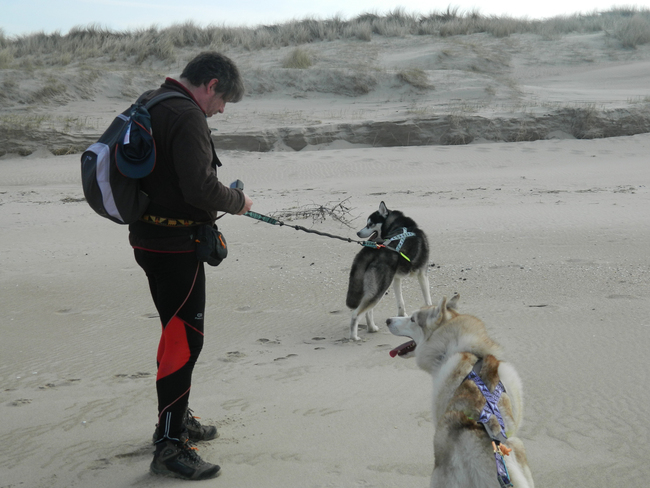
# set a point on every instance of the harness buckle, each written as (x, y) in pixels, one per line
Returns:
(501, 449)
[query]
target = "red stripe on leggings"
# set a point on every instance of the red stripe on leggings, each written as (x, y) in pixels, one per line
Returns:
(173, 350)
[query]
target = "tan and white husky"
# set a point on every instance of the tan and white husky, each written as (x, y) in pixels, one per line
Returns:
(472, 388)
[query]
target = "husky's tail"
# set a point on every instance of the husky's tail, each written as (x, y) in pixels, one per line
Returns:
(355, 288)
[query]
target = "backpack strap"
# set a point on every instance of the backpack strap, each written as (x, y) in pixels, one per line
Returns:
(159, 98)
(174, 94)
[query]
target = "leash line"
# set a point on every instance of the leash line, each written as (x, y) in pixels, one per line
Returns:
(272, 221)
(371, 244)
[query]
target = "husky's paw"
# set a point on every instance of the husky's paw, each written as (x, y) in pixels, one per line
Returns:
(373, 328)
(355, 338)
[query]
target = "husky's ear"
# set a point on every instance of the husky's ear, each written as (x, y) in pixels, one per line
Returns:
(442, 310)
(383, 211)
(453, 303)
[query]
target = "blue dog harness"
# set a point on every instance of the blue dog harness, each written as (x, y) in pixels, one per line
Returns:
(492, 408)
(399, 237)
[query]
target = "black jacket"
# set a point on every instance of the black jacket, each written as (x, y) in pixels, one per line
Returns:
(183, 184)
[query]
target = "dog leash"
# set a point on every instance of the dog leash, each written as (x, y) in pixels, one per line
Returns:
(239, 184)
(272, 221)
(371, 244)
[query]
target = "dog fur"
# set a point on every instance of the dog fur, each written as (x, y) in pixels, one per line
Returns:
(447, 345)
(373, 270)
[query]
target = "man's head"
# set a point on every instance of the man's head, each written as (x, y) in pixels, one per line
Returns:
(209, 66)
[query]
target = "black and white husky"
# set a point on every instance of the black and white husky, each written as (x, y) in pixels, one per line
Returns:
(403, 250)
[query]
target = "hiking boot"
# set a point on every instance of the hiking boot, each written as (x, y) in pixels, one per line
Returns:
(178, 459)
(192, 429)
(196, 431)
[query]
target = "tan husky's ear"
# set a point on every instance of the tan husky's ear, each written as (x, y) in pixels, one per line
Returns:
(441, 311)
(453, 303)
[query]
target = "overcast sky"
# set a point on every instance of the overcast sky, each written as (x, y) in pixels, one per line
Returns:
(19, 17)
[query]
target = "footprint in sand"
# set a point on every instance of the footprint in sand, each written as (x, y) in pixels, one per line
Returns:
(103, 463)
(418, 470)
(236, 404)
(285, 357)
(267, 341)
(317, 339)
(139, 374)
(232, 357)
(65, 311)
(321, 412)
(20, 402)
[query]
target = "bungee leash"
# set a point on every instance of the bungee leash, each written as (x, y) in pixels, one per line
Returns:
(371, 244)
(272, 221)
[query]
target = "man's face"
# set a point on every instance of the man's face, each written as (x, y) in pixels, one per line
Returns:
(210, 100)
(215, 104)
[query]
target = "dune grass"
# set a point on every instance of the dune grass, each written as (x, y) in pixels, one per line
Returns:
(415, 77)
(629, 25)
(38, 69)
(298, 59)
(94, 50)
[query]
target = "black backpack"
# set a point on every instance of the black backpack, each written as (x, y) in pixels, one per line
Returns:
(109, 192)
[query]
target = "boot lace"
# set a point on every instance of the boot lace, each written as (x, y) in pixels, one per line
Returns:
(189, 452)
(190, 419)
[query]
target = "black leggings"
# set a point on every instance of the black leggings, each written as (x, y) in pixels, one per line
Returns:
(177, 285)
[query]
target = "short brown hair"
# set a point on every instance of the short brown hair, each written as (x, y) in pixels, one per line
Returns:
(210, 65)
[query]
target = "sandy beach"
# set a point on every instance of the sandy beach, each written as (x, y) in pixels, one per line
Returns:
(545, 240)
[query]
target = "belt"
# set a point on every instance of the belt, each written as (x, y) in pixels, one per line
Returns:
(167, 222)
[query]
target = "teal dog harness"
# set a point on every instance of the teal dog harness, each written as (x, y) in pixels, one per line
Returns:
(401, 238)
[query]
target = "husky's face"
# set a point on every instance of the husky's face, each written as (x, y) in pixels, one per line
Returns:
(407, 327)
(372, 230)
(420, 325)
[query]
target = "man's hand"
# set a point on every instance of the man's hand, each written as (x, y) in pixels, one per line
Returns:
(248, 203)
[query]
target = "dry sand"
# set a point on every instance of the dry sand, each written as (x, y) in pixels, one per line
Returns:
(546, 241)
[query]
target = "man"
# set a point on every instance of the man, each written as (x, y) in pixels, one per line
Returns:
(184, 193)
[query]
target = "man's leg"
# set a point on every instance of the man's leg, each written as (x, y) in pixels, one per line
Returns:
(177, 283)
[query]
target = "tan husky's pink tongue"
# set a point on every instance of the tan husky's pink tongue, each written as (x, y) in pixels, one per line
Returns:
(403, 349)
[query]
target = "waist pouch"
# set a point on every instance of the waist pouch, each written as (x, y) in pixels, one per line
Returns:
(211, 245)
